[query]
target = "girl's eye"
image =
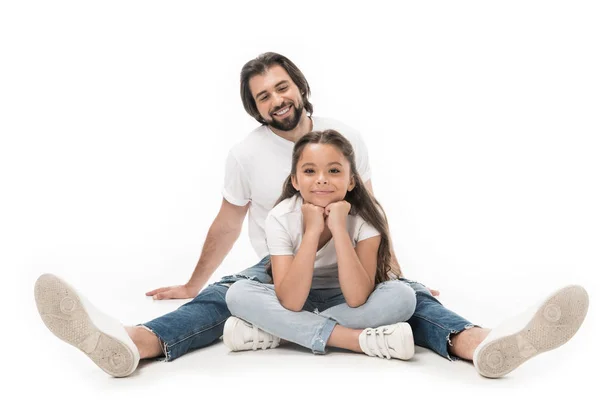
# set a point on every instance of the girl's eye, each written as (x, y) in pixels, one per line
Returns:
(334, 171)
(309, 171)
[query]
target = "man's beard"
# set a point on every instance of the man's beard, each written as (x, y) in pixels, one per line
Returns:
(290, 122)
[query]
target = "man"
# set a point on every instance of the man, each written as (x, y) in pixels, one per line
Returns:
(275, 92)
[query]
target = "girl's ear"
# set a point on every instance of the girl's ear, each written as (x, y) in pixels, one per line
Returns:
(352, 183)
(294, 182)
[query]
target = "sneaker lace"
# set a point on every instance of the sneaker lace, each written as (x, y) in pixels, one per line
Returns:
(377, 342)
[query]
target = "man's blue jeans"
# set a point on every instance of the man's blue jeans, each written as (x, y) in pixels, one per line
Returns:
(200, 322)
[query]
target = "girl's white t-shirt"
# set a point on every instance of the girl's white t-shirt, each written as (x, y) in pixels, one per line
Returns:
(257, 167)
(284, 229)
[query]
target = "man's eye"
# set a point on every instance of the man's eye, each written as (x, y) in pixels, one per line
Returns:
(263, 98)
(283, 88)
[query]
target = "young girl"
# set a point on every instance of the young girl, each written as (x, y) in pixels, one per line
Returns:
(331, 262)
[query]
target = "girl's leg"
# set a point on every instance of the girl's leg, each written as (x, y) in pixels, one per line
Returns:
(258, 304)
(345, 338)
(390, 302)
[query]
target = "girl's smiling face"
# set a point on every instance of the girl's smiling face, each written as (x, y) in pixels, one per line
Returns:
(323, 175)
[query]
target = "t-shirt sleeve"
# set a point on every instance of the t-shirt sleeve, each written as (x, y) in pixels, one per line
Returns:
(366, 231)
(236, 188)
(279, 241)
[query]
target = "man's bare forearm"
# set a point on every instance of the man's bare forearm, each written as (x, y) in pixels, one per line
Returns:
(220, 239)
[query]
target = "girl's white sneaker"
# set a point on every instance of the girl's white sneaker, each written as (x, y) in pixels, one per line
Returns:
(389, 341)
(239, 335)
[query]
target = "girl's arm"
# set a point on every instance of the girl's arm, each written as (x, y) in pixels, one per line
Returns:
(292, 275)
(356, 267)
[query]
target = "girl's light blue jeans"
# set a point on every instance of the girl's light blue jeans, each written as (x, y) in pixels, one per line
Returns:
(257, 303)
(200, 322)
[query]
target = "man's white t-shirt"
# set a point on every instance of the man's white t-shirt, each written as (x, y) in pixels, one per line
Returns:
(285, 229)
(257, 166)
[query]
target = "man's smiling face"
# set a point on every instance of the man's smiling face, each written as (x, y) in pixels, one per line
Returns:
(277, 98)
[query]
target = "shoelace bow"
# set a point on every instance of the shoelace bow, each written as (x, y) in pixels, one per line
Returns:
(376, 342)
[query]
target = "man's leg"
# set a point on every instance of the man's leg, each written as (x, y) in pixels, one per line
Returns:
(195, 324)
(117, 349)
(542, 328)
(73, 319)
(463, 344)
(147, 343)
(441, 330)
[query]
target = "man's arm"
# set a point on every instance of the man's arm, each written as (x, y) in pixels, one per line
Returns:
(221, 236)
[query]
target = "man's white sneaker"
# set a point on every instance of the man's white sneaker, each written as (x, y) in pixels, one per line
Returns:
(76, 321)
(240, 335)
(389, 341)
(539, 329)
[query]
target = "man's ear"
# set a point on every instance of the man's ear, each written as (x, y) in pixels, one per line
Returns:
(352, 184)
(295, 182)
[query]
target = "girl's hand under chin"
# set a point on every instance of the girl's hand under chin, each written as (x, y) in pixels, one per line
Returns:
(314, 220)
(336, 215)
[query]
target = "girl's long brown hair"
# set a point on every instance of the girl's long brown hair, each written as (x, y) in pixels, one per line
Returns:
(362, 201)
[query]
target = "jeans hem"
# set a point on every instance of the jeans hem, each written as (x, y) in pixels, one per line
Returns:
(319, 341)
(167, 348)
(163, 345)
(449, 341)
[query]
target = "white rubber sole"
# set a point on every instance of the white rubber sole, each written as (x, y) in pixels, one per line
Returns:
(65, 315)
(554, 324)
(408, 348)
(228, 332)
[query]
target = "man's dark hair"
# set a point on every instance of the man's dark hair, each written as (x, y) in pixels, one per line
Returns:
(259, 66)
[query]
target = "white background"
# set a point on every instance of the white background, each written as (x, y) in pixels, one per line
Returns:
(481, 118)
